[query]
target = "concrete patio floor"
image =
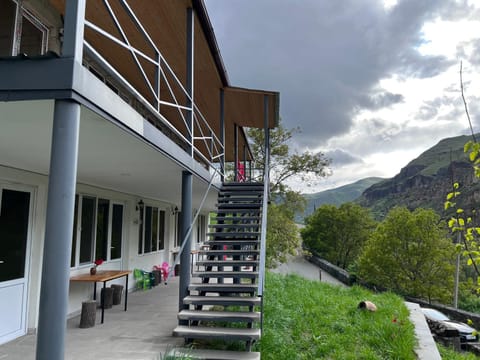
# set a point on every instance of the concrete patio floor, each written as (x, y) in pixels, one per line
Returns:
(143, 332)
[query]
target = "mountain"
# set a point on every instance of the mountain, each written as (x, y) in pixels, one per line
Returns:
(338, 196)
(426, 181)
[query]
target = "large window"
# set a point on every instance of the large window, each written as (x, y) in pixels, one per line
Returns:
(151, 230)
(98, 230)
(20, 31)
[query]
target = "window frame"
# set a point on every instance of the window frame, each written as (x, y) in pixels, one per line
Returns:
(160, 230)
(21, 13)
(77, 231)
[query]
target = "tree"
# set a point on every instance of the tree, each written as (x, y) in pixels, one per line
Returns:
(282, 232)
(283, 163)
(411, 254)
(282, 236)
(338, 234)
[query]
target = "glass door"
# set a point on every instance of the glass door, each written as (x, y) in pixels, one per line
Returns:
(15, 210)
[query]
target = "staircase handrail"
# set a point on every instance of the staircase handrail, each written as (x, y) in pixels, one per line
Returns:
(263, 236)
(189, 230)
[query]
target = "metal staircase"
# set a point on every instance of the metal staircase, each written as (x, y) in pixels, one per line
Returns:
(223, 297)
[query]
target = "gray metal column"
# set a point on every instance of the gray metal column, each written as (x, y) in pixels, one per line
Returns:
(53, 308)
(185, 223)
(222, 132)
(267, 135)
(58, 232)
(190, 74)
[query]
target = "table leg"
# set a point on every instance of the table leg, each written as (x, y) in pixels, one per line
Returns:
(103, 300)
(94, 290)
(126, 291)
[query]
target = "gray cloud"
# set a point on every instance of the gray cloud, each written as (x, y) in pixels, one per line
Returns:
(341, 157)
(325, 57)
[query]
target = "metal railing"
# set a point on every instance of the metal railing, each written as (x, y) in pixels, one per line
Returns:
(198, 132)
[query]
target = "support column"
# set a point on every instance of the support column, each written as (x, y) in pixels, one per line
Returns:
(222, 132)
(190, 73)
(53, 308)
(267, 136)
(235, 151)
(185, 223)
(58, 232)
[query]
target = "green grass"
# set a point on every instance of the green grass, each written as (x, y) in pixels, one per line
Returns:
(311, 320)
(450, 354)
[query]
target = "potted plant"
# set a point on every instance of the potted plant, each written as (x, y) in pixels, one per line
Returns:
(93, 270)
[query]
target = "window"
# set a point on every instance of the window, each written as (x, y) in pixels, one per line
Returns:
(100, 233)
(151, 230)
(20, 31)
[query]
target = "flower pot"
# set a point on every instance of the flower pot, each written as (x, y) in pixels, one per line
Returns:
(93, 270)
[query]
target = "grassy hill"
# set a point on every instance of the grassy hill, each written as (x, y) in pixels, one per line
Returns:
(338, 196)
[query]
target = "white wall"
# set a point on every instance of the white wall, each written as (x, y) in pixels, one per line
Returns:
(130, 258)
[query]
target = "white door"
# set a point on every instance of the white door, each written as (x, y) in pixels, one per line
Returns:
(15, 213)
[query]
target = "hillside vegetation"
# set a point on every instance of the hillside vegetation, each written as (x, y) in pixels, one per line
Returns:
(425, 181)
(338, 196)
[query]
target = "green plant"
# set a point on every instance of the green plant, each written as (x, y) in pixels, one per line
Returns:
(311, 320)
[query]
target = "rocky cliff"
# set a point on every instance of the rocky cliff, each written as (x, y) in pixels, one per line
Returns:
(426, 181)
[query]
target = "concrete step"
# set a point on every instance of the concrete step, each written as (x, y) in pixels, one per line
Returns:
(226, 274)
(201, 354)
(231, 316)
(224, 288)
(219, 263)
(222, 333)
(222, 300)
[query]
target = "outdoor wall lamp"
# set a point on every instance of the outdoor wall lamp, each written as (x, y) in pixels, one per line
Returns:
(174, 210)
(140, 205)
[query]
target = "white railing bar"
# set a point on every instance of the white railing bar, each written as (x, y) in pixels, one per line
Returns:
(139, 25)
(125, 38)
(197, 213)
(176, 102)
(134, 91)
(119, 42)
(162, 102)
(206, 123)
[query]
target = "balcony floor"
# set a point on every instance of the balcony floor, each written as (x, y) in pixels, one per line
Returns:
(142, 332)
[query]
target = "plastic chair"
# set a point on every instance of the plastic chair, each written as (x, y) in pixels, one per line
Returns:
(165, 269)
(142, 278)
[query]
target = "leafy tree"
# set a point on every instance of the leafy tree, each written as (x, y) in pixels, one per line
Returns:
(283, 163)
(338, 234)
(282, 236)
(410, 253)
(282, 232)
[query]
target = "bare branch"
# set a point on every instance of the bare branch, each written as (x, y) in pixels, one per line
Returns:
(465, 102)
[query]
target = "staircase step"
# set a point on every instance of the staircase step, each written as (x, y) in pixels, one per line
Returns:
(200, 332)
(226, 274)
(233, 316)
(241, 206)
(201, 354)
(241, 198)
(222, 300)
(231, 263)
(251, 219)
(234, 226)
(223, 288)
(239, 212)
(234, 233)
(228, 252)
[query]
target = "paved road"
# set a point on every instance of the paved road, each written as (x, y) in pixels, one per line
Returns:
(298, 265)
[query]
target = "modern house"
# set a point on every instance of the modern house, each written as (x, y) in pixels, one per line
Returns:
(117, 122)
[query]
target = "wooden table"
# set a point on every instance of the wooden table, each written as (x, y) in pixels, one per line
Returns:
(104, 276)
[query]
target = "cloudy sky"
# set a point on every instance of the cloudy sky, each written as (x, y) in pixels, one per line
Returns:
(371, 83)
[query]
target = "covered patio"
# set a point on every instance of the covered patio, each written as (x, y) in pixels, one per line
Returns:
(143, 332)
